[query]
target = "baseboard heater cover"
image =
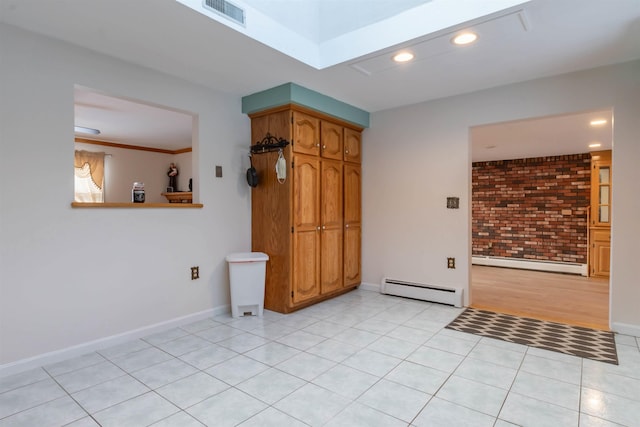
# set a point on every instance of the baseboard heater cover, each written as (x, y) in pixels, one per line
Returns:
(526, 264)
(441, 294)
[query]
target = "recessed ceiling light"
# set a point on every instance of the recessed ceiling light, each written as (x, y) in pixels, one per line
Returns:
(595, 145)
(82, 129)
(598, 122)
(403, 57)
(464, 38)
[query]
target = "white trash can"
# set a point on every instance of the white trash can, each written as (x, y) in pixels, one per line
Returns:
(246, 280)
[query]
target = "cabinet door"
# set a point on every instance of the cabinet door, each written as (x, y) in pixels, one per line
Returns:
(306, 192)
(306, 134)
(352, 191)
(331, 140)
(600, 252)
(352, 224)
(306, 265)
(306, 228)
(331, 228)
(331, 206)
(352, 140)
(352, 255)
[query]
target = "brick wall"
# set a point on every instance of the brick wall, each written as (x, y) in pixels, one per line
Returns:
(532, 208)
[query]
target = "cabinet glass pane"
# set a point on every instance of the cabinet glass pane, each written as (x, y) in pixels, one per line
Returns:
(604, 195)
(604, 213)
(604, 175)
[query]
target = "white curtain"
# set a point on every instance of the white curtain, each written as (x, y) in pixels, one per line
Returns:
(85, 188)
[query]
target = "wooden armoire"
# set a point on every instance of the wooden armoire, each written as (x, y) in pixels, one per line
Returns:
(309, 223)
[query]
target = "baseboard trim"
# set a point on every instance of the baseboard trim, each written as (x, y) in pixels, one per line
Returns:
(525, 264)
(102, 343)
(375, 287)
(626, 329)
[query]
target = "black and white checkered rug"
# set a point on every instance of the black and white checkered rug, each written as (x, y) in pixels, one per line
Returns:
(575, 340)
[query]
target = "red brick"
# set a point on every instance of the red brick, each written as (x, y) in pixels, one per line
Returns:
(532, 208)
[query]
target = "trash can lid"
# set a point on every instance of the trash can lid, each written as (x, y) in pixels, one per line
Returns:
(247, 257)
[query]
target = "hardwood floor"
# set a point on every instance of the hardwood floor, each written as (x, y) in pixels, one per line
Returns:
(563, 298)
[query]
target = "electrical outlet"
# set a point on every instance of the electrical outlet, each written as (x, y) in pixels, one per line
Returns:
(451, 263)
(195, 272)
(218, 171)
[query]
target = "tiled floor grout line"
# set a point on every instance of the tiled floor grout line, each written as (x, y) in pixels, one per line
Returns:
(243, 353)
(580, 390)
(40, 403)
(438, 389)
(341, 363)
(70, 396)
(451, 375)
(515, 377)
(129, 374)
(383, 377)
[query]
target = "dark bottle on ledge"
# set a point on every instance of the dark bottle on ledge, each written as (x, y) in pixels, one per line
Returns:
(137, 192)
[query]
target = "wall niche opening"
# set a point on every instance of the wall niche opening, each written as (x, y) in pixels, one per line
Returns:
(140, 142)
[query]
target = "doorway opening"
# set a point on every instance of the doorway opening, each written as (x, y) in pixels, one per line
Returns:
(532, 204)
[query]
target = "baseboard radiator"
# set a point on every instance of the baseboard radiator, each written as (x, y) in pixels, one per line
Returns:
(525, 264)
(441, 294)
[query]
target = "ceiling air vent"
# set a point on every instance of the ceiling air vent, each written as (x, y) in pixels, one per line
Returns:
(225, 8)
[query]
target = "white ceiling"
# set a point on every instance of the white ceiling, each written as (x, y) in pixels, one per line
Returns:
(130, 122)
(542, 136)
(323, 33)
(536, 39)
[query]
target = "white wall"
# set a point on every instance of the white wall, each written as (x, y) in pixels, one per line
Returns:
(183, 162)
(414, 157)
(70, 276)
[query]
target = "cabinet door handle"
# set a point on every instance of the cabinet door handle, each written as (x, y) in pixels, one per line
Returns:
(318, 144)
(346, 151)
(324, 228)
(347, 226)
(318, 228)
(324, 147)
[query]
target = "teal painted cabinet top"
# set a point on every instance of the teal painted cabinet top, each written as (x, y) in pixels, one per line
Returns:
(291, 93)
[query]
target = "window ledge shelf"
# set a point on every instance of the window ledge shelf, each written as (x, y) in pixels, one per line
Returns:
(136, 205)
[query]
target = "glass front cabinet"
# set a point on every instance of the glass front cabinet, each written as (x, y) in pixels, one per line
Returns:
(600, 214)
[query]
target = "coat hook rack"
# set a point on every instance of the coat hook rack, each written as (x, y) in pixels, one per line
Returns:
(268, 144)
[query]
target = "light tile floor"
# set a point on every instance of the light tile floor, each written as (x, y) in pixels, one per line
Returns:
(362, 359)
